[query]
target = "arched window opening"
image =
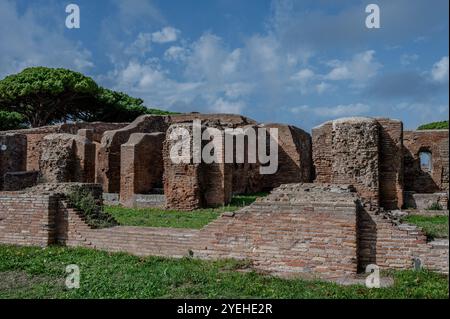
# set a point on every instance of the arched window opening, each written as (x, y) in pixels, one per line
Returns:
(425, 161)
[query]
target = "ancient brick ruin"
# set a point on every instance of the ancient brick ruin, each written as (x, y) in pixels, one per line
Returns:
(326, 214)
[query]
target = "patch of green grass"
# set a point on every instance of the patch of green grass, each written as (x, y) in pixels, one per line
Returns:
(157, 217)
(433, 226)
(30, 272)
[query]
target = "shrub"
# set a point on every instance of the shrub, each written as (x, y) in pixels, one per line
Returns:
(83, 200)
(434, 126)
(435, 206)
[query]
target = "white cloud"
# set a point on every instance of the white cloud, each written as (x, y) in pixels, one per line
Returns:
(176, 54)
(141, 46)
(333, 111)
(303, 75)
(167, 34)
(223, 106)
(132, 11)
(439, 72)
(25, 42)
(407, 59)
(322, 87)
(359, 69)
(238, 89)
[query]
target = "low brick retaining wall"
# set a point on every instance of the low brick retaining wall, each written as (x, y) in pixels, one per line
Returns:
(27, 219)
(317, 230)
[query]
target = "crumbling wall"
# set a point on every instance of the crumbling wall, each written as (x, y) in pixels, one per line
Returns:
(298, 228)
(356, 156)
(36, 135)
(141, 165)
(435, 142)
(13, 152)
(189, 185)
(391, 246)
(108, 155)
(364, 152)
(67, 158)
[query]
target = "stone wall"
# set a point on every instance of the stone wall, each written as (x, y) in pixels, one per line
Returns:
(67, 158)
(435, 142)
(425, 201)
(356, 156)
(13, 153)
(141, 166)
(364, 152)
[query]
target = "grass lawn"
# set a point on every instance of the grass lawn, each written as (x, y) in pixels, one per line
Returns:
(156, 217)
(433, 226)
(29, 272)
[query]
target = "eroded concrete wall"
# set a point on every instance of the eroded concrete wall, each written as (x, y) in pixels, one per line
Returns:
(67, 158)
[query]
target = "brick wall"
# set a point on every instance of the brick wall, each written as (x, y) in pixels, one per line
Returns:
(391, 246)
(182, 181)
(314, 230)
(294, 157)
(14, 181)
(309, 229)
(27, 218)
(36, 135)
(108, 153)
(141, 166)
(391, 163)
(435, 142)
(12, 154)
(322, 152)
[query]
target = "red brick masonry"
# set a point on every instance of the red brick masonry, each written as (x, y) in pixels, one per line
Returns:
(314, 229)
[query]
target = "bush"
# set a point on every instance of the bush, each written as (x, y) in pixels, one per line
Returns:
(434, 126)
(83, 200)
(11, 121)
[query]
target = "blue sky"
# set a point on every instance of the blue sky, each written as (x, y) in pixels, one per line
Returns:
(297, 62)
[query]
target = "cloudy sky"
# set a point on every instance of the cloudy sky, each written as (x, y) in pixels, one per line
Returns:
(296, 61)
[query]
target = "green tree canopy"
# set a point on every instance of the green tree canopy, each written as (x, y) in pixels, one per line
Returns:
(11, 121)
(44, 96)
(434, 126)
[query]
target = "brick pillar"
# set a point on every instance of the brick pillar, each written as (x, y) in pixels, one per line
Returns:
(141, 165)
